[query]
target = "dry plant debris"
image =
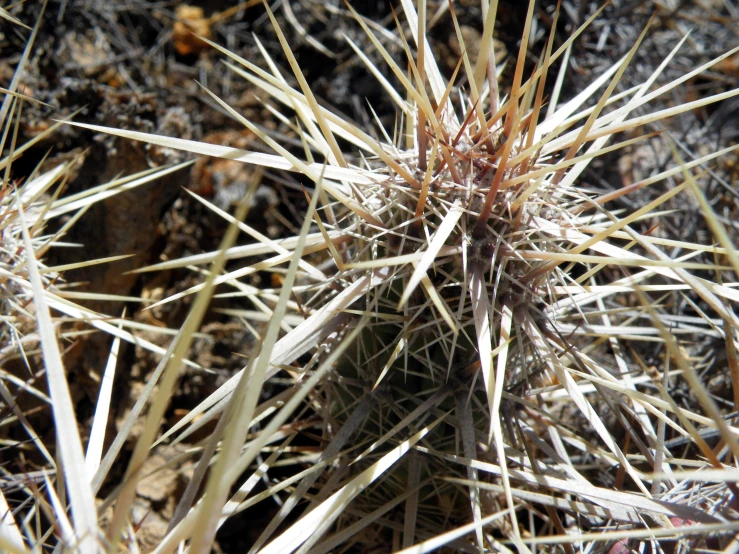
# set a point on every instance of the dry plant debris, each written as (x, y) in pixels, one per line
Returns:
(467, 344)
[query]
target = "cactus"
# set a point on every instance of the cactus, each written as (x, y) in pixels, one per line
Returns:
(463, 323)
